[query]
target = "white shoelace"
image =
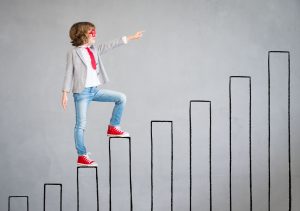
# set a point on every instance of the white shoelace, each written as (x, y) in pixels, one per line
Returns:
(87, 156)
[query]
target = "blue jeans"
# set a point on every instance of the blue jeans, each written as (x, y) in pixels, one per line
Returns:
(82, 101)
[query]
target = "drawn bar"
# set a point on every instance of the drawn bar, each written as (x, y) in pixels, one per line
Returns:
(27, 198)
(190, 124)
(130, 179)
(52, 184)
(97, 191)
(269, 129)
(171, 174)
(230, 140)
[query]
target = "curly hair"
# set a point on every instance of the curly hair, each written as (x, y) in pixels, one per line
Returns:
(78, 33)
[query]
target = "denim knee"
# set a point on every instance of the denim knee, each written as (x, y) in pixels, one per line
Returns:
(122, 99)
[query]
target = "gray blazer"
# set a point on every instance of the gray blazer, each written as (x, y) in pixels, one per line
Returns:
(76, 68)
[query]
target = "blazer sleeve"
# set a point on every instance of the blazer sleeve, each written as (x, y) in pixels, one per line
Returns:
(105, 47)
(68, 79)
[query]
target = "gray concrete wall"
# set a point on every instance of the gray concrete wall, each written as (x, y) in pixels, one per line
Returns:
(189, 50)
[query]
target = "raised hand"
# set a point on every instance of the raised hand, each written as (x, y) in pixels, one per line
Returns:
(137, 35)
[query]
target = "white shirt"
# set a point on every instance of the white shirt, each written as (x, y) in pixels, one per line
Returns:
(91, 76)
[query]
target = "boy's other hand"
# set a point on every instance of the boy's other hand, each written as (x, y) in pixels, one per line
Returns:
(64, 100)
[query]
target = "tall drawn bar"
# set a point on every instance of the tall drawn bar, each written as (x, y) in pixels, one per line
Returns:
(161, 166)
(60, 194)
(200, 156)
(240, 146)
(279, 146)
(118, 177)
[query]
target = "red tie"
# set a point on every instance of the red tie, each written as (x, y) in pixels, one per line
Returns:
(92, 58)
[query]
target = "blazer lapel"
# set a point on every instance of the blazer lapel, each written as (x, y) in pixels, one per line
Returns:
(78, 51)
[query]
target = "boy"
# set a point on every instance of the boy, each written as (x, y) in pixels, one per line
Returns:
(84, 73)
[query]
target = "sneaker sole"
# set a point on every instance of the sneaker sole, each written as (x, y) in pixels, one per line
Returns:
(118, 135)
(93, 164)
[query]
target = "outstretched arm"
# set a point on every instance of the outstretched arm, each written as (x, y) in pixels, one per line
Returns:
(104, 47)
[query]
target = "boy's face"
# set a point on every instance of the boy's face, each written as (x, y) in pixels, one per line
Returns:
(92, 36)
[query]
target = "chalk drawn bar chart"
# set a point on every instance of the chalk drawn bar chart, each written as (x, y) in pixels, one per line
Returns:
(279, 145)
(60, 195)
(9, 202)
(120, 178)
(161, 165)
(240, 146)
(200, 125)
(82, 168)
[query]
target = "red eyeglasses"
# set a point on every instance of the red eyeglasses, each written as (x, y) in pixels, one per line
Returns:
(93, 33)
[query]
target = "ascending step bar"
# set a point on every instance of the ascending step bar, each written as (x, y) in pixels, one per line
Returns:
(26, 197)
(171, 162)
(110, 171)
(286, 86)
(78, 190)
(191, 151)
(246, 108)
(60, 194)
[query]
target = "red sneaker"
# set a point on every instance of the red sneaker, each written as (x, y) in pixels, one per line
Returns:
(84, 160)
(113, 131)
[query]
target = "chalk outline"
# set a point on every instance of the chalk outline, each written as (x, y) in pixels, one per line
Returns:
(9, 197)
(151, 131)
(210, 124)
(97, 191)
(269, 129)
(250, 141)
(52, 184)
(130, 177)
